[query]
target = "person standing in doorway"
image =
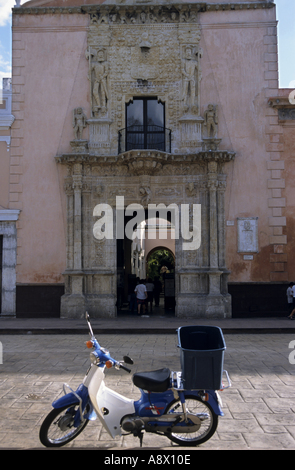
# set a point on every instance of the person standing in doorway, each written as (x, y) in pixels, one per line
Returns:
(150, 294)
(141, 295)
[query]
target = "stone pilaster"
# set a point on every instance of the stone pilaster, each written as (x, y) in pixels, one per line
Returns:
(8, 231)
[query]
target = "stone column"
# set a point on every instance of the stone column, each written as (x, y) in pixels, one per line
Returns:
(73, 302)
(70, 222)
(221, 221)
(87, 218)
(77, 186)
(214, 273)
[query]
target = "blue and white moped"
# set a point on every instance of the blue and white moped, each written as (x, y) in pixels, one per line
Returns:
(187, 417)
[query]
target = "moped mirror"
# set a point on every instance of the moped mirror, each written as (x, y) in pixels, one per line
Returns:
(89, 325)
(128, 360)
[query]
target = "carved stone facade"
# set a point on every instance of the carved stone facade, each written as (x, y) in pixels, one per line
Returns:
(131, 53)
(210, 68)
(91, 278)
(144, 51)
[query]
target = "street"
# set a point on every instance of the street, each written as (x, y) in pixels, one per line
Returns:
(259, 407)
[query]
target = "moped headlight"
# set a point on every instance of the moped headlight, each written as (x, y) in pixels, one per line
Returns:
(93, 358)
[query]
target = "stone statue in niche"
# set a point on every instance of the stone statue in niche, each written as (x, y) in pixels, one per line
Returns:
(211, 121)
(189, 81)
(98, 73)
(79, 123)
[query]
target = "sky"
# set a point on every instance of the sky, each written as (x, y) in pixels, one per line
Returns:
(286, 40)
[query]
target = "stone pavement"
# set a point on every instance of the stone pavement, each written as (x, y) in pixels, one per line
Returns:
(259, 408)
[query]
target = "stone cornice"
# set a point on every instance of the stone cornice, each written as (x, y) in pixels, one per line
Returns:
(281, 102)
(8, 215)
(220, 156)
(6, 121)
(106, 9)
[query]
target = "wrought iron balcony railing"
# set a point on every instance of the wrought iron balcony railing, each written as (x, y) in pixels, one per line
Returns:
(148, 137)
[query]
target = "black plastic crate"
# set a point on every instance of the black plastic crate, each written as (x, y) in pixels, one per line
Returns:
(201, 357)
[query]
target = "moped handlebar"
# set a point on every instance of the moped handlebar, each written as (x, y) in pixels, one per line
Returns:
(102, 354)
(125, 368)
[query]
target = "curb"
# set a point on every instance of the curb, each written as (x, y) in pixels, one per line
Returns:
(134, 331)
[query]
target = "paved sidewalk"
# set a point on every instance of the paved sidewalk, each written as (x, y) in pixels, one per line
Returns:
(154, 324)
(259, 408)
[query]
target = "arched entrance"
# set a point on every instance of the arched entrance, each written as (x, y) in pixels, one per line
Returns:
(150, 256)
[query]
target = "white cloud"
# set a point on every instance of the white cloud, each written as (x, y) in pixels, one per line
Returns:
(5, 11)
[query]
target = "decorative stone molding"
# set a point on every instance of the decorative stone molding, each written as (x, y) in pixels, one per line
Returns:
(145, 156)
(285, 107)
(145, 162)
(114, 12)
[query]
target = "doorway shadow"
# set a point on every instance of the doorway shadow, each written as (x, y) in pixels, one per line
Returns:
(158, 311)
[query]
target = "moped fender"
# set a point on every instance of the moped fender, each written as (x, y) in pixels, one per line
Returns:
(213, 401)
(71, 399)
(67, 400)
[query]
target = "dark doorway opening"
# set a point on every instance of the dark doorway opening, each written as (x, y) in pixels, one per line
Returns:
(137, 260)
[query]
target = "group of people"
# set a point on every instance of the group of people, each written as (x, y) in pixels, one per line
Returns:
(291, 300)
(144, 294)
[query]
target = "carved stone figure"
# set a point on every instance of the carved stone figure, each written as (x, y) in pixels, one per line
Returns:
(190, 189)
(189, 71)
(99, 90)
(79, 122)
(211, 121)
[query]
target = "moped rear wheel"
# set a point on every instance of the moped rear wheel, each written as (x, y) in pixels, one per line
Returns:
(58, 428)
(208, 421)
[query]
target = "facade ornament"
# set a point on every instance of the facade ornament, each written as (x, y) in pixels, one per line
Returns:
(191, 189)
(99, 189)
(211, 121)
(98, 74)
(145, 193)
(79, 123)
(189, 79)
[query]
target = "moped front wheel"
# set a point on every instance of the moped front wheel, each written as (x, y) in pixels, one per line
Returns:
(208, 422)
(58, 428)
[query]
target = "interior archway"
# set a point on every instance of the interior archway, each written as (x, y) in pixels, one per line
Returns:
(149, 255)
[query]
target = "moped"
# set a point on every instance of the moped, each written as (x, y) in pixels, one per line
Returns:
(187, 417)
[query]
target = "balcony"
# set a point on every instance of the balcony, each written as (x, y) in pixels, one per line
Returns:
(144, 137)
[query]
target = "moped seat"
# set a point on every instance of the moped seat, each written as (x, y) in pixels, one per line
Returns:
(154, 381)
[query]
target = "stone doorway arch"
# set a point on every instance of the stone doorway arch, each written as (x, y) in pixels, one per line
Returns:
(145, 177)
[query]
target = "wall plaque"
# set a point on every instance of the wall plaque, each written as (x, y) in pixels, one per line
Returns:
(247, 234)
